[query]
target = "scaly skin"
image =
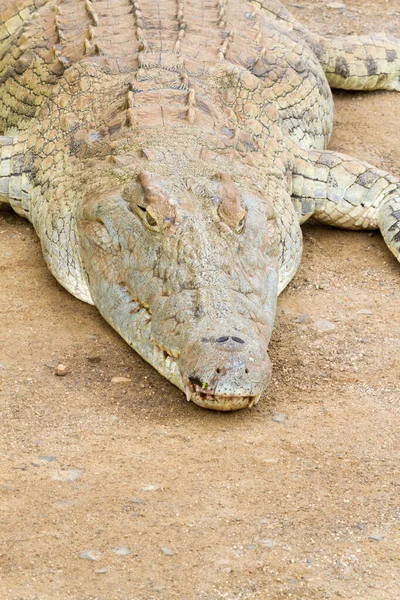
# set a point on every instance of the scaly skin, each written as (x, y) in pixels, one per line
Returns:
(166, 153)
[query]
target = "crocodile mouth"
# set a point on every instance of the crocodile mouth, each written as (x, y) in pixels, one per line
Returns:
(165, 361)
(220, 402)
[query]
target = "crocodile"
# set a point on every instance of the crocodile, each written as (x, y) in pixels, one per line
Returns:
(167, 152)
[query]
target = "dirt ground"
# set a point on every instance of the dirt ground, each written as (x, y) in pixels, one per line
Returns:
(297, 498)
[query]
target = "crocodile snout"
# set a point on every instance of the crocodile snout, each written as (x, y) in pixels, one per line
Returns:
(225, 372)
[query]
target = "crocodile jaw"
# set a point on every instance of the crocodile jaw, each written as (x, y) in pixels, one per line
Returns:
(167, 366)
(139, 336)
(220, 402)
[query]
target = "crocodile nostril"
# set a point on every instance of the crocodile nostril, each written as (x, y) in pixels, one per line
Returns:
(225, 338)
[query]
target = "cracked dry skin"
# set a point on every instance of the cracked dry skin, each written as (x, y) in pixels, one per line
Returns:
(167, 152)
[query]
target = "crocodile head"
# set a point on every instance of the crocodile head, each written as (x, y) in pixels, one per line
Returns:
(185, 269)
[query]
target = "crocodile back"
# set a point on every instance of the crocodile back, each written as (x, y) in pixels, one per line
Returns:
(168, 50)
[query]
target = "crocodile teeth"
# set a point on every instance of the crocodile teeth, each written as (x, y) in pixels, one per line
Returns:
(188, 393)
(222, 403)
(254, 400)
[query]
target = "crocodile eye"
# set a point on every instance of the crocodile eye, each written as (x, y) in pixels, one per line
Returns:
(148, 219)
(151, 222)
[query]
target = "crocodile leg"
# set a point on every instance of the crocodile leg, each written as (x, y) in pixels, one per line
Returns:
(344, 192)
(368, 62)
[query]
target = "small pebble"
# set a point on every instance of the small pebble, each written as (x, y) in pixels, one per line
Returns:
(120, 380)
(94, 359)
(91, 555)
(167, 551)
(279, 417)
(123, 551)
(323, 325)
(136, 501)
(70, 475)
(47, 458)
(150, 488)
(101, 571)
(302, 319)
(267, 543)
(61, 370)
(364, 311)
(376, 538)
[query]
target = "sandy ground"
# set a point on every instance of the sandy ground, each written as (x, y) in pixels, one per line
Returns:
(297, 498)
